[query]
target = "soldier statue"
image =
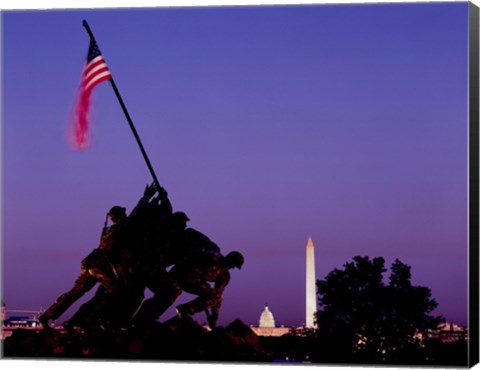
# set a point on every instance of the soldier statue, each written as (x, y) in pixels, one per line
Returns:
(205, 276)
(134, 254)
(180, 243)
(105, 264)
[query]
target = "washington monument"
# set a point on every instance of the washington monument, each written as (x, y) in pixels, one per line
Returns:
(311, 302)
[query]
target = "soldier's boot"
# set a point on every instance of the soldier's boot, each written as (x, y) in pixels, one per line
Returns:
(212, 322)
(44, 319)
(212, 318)
(82, 285)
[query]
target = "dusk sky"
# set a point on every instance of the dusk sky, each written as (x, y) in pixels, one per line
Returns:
(266, 125)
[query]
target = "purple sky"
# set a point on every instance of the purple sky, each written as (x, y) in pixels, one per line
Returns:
(265, 124)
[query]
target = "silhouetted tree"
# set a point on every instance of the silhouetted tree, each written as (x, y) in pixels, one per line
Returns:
(362, 319)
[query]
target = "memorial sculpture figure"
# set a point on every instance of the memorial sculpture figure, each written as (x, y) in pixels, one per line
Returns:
(179, 243)
(206, 276)
(134, 254)
(108, 263)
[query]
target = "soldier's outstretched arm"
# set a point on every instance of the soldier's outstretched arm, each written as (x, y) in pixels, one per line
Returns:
(147, 195)
(162, 198)
(166, 205)
(149, 192)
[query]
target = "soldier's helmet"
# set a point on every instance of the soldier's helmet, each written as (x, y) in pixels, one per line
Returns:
(117, 211)
(180, 216)
(234, 259)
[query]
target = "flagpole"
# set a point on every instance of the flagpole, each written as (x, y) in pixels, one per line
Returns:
(127, 115)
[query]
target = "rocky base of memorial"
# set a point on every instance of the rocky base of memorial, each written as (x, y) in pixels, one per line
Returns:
(179, 339)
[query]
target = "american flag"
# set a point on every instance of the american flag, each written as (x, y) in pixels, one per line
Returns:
(94, 72)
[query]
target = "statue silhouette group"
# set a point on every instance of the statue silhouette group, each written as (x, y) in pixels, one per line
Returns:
(151, 248)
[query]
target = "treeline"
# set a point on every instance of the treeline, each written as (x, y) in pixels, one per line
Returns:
(367, 319)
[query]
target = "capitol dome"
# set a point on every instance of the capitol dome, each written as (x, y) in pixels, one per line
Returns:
(266, 319)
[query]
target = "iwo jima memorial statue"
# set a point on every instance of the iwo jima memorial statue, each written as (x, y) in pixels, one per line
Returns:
(137, 249)
(134, 254)
(150, 248)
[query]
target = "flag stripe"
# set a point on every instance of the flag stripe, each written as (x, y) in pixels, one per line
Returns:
(95, 71)
(99, 77)
(98, 59)
(96, 63)
(92, 71)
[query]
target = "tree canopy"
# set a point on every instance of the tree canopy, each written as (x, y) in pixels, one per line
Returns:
(362, 316)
